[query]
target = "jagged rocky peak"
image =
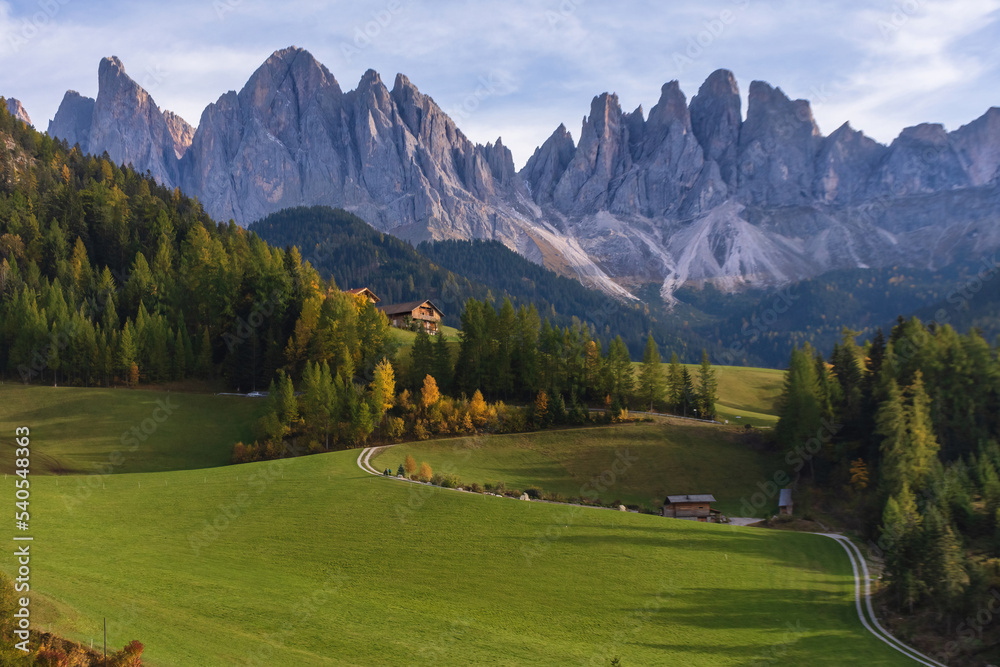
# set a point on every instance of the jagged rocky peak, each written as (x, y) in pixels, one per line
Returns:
(129, 125)
(290, 85)
(921, 159)
(73, 119)
(292, 71)
(845, 164)
(672, 107)
(978, 147)
(716, 116)
(777, 148)
(548, 163)
(426, 121)
(601, 155)
(16, 109)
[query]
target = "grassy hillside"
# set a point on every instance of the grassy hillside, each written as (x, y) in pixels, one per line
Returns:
(350, 569)
(80, 430)
(750, 394)
(669, 456)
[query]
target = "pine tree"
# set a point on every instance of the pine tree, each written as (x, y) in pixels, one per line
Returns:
(126, 350)
(441, 368)
(651, 383)
(204, 362)
(286, 403)
(890, 424)
(675, 383)
(707, 388)
(901, 524)
(799, 405)
(421, 359)
(621, 379)
(922, 443)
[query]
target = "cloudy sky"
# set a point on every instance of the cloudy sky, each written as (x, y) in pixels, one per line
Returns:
(518, 68)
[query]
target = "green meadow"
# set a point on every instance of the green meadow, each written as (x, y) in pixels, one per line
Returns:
(88, 430)
(669, 456)
(313, 562)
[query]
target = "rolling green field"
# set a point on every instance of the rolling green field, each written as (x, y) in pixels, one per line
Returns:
(313, 562)
(751, 393)
(669, 456)
(80, 430)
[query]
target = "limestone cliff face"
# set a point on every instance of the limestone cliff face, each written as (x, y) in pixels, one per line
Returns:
(73, 119)
(180, 131)
(16, 109)
(689, 193)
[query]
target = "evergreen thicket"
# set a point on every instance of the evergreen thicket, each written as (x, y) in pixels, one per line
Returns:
(908, 427)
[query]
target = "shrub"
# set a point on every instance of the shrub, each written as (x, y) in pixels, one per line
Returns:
(533, 493)
(394, 427)
(450, 481)
(475, 488)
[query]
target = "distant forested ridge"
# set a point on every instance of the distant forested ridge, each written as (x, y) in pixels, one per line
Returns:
(353, 254)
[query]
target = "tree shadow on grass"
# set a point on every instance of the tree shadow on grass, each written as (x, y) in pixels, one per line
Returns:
(785, 627)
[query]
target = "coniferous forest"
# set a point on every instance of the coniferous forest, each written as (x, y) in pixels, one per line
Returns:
(906, 428)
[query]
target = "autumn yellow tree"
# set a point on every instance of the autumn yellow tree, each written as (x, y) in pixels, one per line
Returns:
(477, 409)
(425, 472)
(859, 474)
(541, 409)
(409, 465)
(383, 388)
(429, 395)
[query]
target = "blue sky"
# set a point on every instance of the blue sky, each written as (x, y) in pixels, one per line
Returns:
(516, 68)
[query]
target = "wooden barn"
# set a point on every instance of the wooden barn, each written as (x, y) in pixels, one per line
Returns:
(365, 292)
(697, 507)
(423, 312)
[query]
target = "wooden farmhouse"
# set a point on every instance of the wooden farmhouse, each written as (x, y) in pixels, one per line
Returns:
(365, 292)
(695, 507)
(785, 505)
(424, 313)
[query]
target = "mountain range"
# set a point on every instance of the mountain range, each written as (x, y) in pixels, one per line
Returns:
(691, 193)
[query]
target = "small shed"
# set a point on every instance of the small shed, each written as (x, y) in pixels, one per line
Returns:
(690, 506)
(785, 505)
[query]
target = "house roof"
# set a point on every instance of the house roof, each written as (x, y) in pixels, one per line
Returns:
(785, 498)
(692, 498)
(408, 307)
(364, 290)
